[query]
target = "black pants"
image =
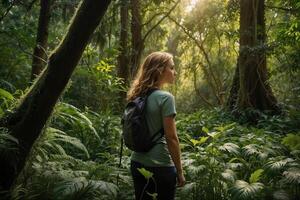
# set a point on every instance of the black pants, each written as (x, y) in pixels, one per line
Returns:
(164, 183)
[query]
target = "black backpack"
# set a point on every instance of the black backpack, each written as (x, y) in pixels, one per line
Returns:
(136, 133)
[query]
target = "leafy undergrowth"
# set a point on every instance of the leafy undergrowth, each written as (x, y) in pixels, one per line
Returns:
(77, 157)
(226, 160)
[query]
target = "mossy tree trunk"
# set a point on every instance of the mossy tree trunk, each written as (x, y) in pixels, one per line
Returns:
(28, 119)
(250, 88)
(123, 65)
(39, 54)
(137, 43)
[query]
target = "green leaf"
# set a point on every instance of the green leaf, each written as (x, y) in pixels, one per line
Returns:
(199, 142)
(205, 130)
(244, 190)
(195, 142)
(230, 147)
(229, 175)
(154, 195)
(292, 141)
(58, 135)
(281, 195)
(255, 176)
(6, 95)
(203, 140)
(147, 174)
(292, 176)
(278, 164)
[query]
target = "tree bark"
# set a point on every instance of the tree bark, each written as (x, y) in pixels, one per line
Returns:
(29, 118)
(136, 36)
(123, 70)
(253, 90)
(39, 58)
(232, 98)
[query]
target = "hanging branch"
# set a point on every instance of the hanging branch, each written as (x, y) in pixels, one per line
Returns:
(164, 17)
(201, 47)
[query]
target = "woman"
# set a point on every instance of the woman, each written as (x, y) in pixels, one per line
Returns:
(163, 160)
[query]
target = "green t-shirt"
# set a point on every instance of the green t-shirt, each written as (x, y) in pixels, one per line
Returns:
(160, 104)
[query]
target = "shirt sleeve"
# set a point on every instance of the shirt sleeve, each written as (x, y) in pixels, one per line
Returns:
(168, 106)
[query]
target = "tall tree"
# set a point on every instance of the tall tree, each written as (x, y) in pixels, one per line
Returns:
(250, 88)
(137, 38)
(39, 54)
(137, 44)
(123, 70)
(26, 122)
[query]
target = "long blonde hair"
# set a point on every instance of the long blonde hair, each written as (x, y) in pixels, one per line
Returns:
(148, 74)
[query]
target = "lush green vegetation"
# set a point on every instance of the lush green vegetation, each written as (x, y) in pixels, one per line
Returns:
(77, 157)
(249, 154)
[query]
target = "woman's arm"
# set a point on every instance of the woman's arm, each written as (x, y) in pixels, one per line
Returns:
(173, 146)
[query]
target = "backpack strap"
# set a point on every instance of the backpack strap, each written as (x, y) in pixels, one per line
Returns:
(121, 155)
(150, 91)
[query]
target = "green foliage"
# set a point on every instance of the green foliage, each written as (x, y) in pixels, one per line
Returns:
(77, 155)
(96, 87)
(255, 176)
(235, 161)
(292, 141)
(5, 100)
(147, 174)
(244, 190)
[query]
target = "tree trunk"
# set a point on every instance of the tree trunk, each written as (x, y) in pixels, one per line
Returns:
(136, 36)
(232, 98)
(253, 90)
(123, 70)
(29, 118)
(39, 58)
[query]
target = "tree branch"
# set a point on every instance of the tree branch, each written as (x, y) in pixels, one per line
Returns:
(201, 47)
(164, 17)
(153, 17)
(284, 9)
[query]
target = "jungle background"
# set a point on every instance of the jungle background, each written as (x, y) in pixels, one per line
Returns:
(65, 67)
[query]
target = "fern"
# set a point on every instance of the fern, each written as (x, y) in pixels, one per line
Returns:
(251, 149)
(292, 141)
(280, 195)
(243, 190)
(54, 135)
(9, 146)
(231, 148)
(277, 164)
(229, 175)
(5, 100)
(292, 176)
(81, 188)
(72, 115)
(255, 176)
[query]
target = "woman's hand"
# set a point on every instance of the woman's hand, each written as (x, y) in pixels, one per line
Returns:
(180, 180)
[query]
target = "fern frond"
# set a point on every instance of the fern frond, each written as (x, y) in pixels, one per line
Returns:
(281, 195)
(231, 148)
(255, 176)
(277, 164)
(72, 115)
(243, 190)
(229, 175)
(251, 149)
(292, 176)
(81, 188)
(53, 135)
